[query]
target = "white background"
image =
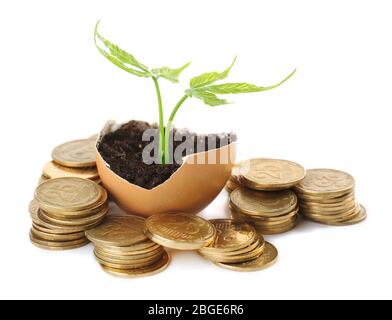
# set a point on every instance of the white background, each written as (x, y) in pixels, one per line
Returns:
(335, 112)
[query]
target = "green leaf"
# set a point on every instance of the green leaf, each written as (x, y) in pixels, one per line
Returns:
(170, 74)
(208, 78)
(207, 97)
(235, 88)
(119, 57)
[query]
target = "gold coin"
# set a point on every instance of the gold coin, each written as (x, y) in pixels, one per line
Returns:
(271, 231)
(359, 217)
(142, 247)
(237, 258)
(123, 265)
(45, 247)
(77, 221)
(231, 235)
(43, 221)
(53, 170)
(267, 259)
(76, 154)
(179, 231)
(261, 222)
(263, 203)
(332, 214)
(230, 186)
(56, 237)
(67, 194)
(326, 181)
(259, 241)
(236, 173)
(118, 231)
(344, 202)
(139, 256)
(275, 224)
(150, 270)
(34, 208)
(91, 211)
(54, 231)
(128, 262)
(344, 220)
(328, 210)
(57, 244)
(211, 252)
(271, 174)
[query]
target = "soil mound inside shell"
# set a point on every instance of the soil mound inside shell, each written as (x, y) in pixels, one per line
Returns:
(123, 151)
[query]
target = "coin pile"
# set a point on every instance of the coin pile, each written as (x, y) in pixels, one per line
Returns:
(328, 196)
(72, 159)
(237, 246)
(62, 209)
(179, 231)
(263, 197)
(123, 250)
(270, 212)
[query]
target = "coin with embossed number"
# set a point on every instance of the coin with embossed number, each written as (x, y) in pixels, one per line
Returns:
(119, 231)
(326, 181)
(76, 154)
(271, 174)
(179, 231)
(67, 194)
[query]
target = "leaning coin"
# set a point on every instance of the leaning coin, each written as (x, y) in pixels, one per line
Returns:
(180, 231)
(267, 259)
(155, 268)
(76, 154)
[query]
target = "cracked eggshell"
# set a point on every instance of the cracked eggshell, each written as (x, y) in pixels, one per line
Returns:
(189, 190)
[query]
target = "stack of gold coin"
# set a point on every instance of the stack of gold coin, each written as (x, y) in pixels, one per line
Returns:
(72, 159)
(270, 212)
(234, 180)
(237, 246)
(123, 250)
(179, 231)
(328, 196)
(63, 209)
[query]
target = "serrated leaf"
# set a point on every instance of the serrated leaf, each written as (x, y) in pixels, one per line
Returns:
(242, 87)
(170, 74)
(119, 57)
(209, 98)
(208, 78)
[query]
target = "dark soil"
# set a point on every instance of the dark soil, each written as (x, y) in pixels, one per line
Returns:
(122, 150)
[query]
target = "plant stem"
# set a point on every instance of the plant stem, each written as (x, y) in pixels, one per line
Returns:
(169, 125)
(161, 151)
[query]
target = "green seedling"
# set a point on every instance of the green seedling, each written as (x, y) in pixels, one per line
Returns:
(202, 87)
